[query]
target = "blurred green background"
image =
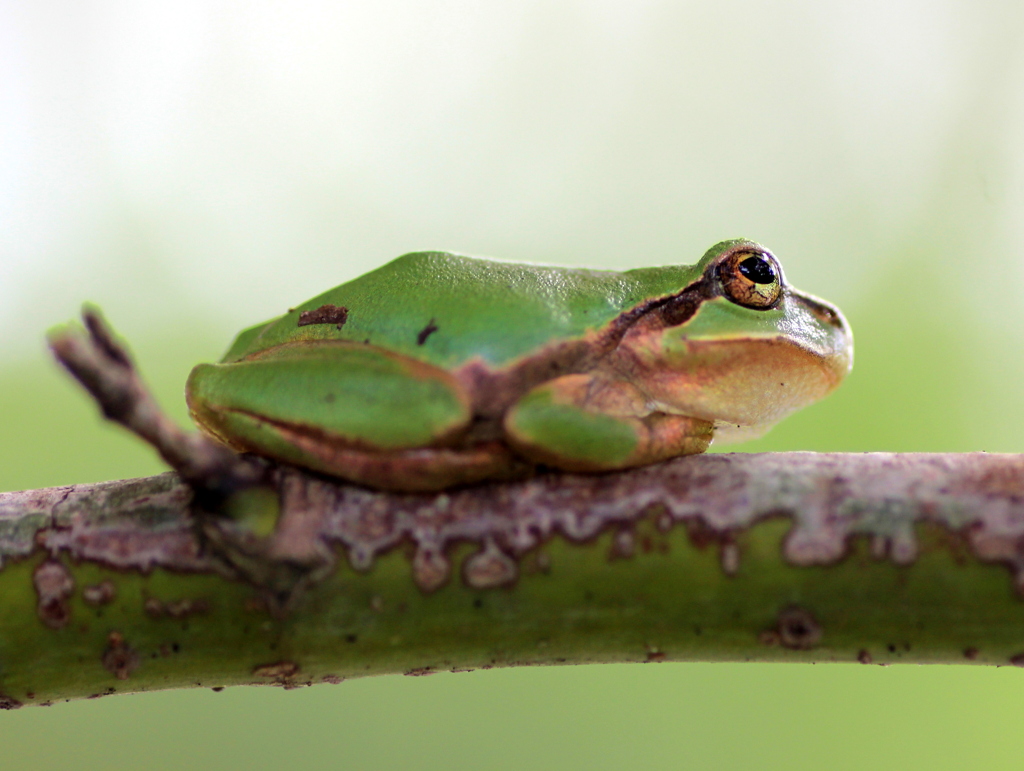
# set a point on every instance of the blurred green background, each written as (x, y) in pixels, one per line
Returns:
(195, 167)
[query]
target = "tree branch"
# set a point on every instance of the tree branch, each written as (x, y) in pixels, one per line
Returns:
(288, 578)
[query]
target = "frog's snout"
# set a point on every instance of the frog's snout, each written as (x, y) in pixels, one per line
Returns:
(825, 312)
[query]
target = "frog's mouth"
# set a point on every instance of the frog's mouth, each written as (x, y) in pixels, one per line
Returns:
(745, 382)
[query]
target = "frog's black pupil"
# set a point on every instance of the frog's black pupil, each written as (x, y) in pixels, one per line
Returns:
(758, 270)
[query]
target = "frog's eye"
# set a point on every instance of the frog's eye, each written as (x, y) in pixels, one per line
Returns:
(751, 279)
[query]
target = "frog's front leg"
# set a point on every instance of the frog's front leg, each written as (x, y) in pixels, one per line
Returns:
(590, 422)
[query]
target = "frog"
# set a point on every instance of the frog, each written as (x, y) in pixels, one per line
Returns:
(439, 370)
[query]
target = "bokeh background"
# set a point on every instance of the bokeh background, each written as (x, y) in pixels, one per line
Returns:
(195, 167)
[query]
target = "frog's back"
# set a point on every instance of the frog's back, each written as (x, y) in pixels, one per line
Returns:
(446, 308)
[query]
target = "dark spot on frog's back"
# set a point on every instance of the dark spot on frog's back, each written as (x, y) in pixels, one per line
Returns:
(679, 310)
(426, 332)
(325, 314)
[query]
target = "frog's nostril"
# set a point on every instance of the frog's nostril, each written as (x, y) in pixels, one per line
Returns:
(824, 313)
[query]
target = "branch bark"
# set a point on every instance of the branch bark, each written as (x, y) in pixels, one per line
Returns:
(787, 557)
(252, 573)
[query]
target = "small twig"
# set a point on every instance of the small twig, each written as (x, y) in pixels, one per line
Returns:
(104, 367)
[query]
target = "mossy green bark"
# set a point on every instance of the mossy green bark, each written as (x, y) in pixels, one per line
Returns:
(670, 599)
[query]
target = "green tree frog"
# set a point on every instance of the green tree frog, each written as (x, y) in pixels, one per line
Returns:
(439, 370)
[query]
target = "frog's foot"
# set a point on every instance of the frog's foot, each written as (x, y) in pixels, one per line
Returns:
(587, 423)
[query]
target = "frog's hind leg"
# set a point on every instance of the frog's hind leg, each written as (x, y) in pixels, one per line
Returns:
(587, 423)
(349, 410)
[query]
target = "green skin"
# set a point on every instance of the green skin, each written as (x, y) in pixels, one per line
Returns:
(438, 370)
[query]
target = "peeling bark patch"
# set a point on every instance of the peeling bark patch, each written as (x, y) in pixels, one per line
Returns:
(729, 556)
(99, 594)
(430, 569)
(128, 525)
(701, 535)
(119, 658)
(23, 514)
(830, 498)
(879, 547)
(279, 670)
(176, 609)
(623, 545)
(420, 672)
(9, 702)
(534, 562)
(152, 607)
(332, 679)
(186, 607)
(325, 314)
(426, 332)
(797, 628)
(54, 585)
(663, 521)
(490, 568)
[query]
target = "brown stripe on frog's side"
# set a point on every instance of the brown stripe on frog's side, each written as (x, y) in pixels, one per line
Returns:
(494, 391)
(660, 312)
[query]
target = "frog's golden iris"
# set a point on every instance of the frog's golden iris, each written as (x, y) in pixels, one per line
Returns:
(751, 279)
